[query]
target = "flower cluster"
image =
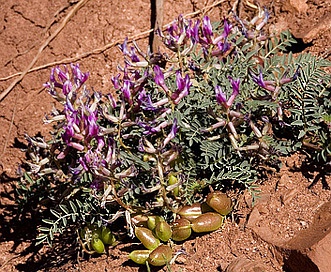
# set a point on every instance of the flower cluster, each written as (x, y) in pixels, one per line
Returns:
(183, 35)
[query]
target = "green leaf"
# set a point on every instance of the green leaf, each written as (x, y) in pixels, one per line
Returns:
(64, 208)
(48, 221)
(73, 206)
(55, 213)
(301, 134)
(297, 123)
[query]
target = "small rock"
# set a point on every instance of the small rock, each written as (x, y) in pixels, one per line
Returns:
(284, 181)
(288, 196)
(300, 5)
(303, 223)
(254, 217)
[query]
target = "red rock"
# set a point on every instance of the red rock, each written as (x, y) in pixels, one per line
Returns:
(310, 250)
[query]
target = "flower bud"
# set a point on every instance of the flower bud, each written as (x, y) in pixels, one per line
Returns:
(207, 222)
(146, 237)
(160, 256)
(220, 202)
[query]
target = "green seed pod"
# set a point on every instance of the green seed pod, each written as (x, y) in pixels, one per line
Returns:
(190, 212)
(181, 229)
(220, 202)
(146, 237)
(173, 180)
(107, 236)
(160, 256)
(96, 231)
(97, 245)
(163, 231)
(153, 220)
(139, 256)
(207, 222)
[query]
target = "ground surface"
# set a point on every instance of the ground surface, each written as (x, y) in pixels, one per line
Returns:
(289, 202)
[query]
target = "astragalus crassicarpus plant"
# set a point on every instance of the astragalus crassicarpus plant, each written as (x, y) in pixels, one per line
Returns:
(205, 113)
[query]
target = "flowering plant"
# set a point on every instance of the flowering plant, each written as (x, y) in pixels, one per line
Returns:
(225, 99)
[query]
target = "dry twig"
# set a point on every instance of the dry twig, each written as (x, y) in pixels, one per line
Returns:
(42, 47)
(54, 20)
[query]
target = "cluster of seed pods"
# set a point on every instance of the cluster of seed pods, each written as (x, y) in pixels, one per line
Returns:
(155, 233)
(93, 238)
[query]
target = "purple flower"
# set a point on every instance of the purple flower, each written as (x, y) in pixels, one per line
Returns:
(71, 127)
(265, 19)
(52, 76)
(126, 89)
(91, 125)
(134, 57)
(77, 146)
(123, 46)
(131, 53)
(145, 101)
(220, 95)
(285, 79)
(112, 100)
(268, 85)
(207, 30)
(150, 129)
(101, 143)
(60, 78)
(224, 35)
(67, 87)
(222, 48)
(63, 76)
(159, 78)
(61, 81)
(172, 134)
(183, 87)
(178, 34)
(173, 30)
(235, 85)
(235, 90)
(111, 157)
(194, 32)
(79, 76)
(83, 163)
(227, 29)
(180, 81)
(68, 133)
(115, 81)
